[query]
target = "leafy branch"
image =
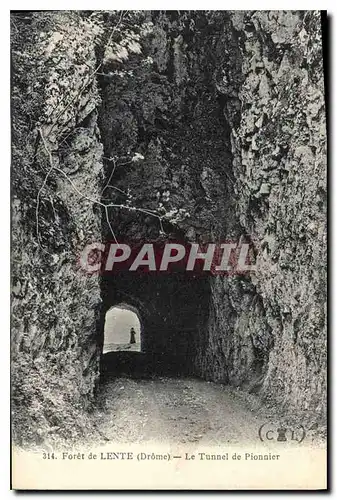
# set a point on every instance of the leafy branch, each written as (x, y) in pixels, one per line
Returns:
(105, 206)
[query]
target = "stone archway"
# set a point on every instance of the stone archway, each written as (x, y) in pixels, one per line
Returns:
(123, 306)
(173, 309)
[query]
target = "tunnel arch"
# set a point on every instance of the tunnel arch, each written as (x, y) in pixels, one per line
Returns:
(120, 321)
(124, 306)
(173, 308)
(128, 301)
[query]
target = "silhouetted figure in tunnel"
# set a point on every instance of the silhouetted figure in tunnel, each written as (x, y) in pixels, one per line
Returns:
(132, 336)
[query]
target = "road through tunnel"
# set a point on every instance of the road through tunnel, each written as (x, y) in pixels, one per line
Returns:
(167, 177)
(172, 311)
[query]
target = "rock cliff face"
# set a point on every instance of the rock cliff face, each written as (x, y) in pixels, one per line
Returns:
(214, 120)
(55, 307)
(279, 163)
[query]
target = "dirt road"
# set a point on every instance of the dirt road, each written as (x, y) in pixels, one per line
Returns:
(174, 410)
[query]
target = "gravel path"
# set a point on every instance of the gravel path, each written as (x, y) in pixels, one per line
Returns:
(174, 410)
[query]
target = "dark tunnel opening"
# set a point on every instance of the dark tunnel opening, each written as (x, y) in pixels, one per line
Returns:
(173, 313)
(168, 177)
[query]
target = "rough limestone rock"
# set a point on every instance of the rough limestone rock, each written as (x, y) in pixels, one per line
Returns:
(55, 307)
(279, 163)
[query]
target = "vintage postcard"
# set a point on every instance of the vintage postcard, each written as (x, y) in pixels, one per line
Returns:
(169, 206)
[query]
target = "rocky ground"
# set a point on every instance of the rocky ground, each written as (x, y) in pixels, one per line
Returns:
(177, 410)
(180, 410)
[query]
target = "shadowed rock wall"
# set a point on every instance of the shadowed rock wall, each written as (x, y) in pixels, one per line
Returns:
(227, 113)
(55, 307)
(279, 163)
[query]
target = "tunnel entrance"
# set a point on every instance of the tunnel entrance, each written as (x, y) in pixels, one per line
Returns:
(168, 178)
(173, 312)
(122, 329)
